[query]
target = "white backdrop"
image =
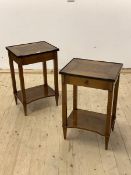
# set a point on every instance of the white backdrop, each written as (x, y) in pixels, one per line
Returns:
(94, 29)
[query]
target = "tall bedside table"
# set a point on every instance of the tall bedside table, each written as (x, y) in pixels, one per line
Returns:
(94, 74)
(31, 53)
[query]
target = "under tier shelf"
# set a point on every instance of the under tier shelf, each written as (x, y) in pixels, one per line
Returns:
(87, 120)
(35, 93)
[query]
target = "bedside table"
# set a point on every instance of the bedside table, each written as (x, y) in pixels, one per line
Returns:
(31, 53)
(94, 74)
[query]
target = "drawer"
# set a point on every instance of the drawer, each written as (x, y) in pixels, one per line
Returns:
(88, 82)
(38, 58)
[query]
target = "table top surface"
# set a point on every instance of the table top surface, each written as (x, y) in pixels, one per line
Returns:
(31, 48)
(92, 69)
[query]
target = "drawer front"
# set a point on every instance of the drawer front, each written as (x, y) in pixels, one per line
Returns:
(88, 82)
(38, 58)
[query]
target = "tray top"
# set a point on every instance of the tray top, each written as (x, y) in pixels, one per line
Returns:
(92, 69)
(31, 48)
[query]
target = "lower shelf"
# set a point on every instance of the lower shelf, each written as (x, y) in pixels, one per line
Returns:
(87, 120)
(35, 93)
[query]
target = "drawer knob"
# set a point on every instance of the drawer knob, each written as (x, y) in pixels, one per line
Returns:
(86, 82)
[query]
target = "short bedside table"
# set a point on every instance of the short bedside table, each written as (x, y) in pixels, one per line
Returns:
(31, 53)
(94, 74)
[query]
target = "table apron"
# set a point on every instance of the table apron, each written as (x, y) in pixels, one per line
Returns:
(88, 82)
(33, 58)
(38, 58)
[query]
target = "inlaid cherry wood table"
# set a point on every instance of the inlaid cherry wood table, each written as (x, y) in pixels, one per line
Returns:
(94, 74)
(31, 53)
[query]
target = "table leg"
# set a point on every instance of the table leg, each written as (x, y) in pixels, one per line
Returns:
(74, 97)
(115, 104)
(22, 84)
(56, 78)
(75, 105)
(45, 72)
(64, 107)
(13, 79)
(109, 116)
